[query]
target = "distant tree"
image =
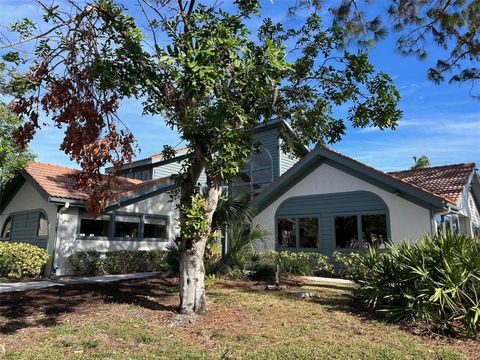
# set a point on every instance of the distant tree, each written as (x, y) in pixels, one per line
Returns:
(420, 162)
(208, 76)
(13, 157)
(451, 25)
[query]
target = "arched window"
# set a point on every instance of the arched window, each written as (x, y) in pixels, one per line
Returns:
(42, 227)
(7, 228)
(256, 175)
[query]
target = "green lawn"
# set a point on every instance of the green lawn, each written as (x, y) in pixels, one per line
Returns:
(134, 320)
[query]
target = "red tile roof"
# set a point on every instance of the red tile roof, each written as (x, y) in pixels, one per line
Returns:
(447, 181)
(58, 181)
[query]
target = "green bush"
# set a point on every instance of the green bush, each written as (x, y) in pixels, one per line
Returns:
(292, 263)
(434, 281)
(18, 260)
(350, 265)
(117, 262)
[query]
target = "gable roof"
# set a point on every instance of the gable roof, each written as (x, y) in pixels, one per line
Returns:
(59, 182)
(389, 182)
(448, 181)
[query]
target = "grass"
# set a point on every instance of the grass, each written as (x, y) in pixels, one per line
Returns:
(244, 322)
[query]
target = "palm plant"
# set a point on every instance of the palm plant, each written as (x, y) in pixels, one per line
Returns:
(421, 162)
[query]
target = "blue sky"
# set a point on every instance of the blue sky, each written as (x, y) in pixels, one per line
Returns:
(440, 121)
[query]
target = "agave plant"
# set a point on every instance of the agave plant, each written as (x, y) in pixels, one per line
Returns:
(436, 281)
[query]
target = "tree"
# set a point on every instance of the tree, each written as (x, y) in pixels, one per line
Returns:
(420, 162)
(451, 25)
(209, 77)
(12, 156)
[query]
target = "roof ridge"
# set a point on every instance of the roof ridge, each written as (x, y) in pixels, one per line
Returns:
(469, 164)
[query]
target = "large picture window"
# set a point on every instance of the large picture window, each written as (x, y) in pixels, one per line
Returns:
(154, 228)
(359, 231)
(306, 229)
(127, 226)
(256, 175)
(95, 227)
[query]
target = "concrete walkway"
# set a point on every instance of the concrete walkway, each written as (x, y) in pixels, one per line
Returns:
(327, 280)
(33, 285)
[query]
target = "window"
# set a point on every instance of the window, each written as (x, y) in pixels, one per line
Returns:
(7, 228)
(154, 228)
(127, 226)
(95, 227)
(346, 232)
(308, 232)
(42, 228)
(256, 175)
(374, 230)
(446, 223)
(145, 175)
(287, 233)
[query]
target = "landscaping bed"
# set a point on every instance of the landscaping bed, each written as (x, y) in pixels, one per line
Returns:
(137, 319)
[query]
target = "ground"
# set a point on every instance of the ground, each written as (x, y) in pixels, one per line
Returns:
(137, 320)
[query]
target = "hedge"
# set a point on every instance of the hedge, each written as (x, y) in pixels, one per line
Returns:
(116, 262)
(19, 260)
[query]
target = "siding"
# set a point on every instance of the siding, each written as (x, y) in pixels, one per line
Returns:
(326, 206)
(474, 211)
(286, 160)
(171, 169)
(24, 229)
(269, 141)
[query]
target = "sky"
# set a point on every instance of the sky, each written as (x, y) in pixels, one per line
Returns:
(440, 121)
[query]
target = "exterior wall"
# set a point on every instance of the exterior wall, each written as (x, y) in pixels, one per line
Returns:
(286, 161)
(269, 140)
(173, 168)
(474, 211)
(68, 241)
(408, 221)
(28, 198)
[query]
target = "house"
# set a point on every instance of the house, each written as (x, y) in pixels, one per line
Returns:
(323, 202)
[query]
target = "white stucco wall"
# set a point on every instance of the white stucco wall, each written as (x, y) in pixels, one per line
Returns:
(408, 221)
(68, 243)
(28, 198)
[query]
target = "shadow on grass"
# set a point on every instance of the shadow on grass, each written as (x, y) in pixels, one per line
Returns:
(45, 307)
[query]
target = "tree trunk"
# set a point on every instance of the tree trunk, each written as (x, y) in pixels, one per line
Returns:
(192, 269)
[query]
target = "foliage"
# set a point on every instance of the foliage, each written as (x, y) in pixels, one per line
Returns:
(350, 265)
(117, 262)
(13, 157)
(421, 162)
(292, 263)
(210, 281)
(452, 26)
(172, 257)
(243, 239)
(434, 281)
(19, 260)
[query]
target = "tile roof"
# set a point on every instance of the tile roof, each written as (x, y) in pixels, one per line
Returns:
(447, 181)
(58, 181)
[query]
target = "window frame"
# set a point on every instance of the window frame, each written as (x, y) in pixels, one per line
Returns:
(359, 215)
(2, 238)
(297, 232)
(111, 228)
(42, 237)
(251, 170)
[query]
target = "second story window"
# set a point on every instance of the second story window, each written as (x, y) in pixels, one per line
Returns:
(256, 175)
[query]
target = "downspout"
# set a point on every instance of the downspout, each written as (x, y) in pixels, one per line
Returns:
(59, 214)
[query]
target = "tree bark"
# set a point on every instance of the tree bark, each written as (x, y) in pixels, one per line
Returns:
(193, 299)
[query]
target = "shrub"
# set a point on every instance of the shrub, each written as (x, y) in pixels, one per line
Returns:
(86, 262)
(18, 260)
(434, 281)
(117, 262)
(292, 263)
(350, 265)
